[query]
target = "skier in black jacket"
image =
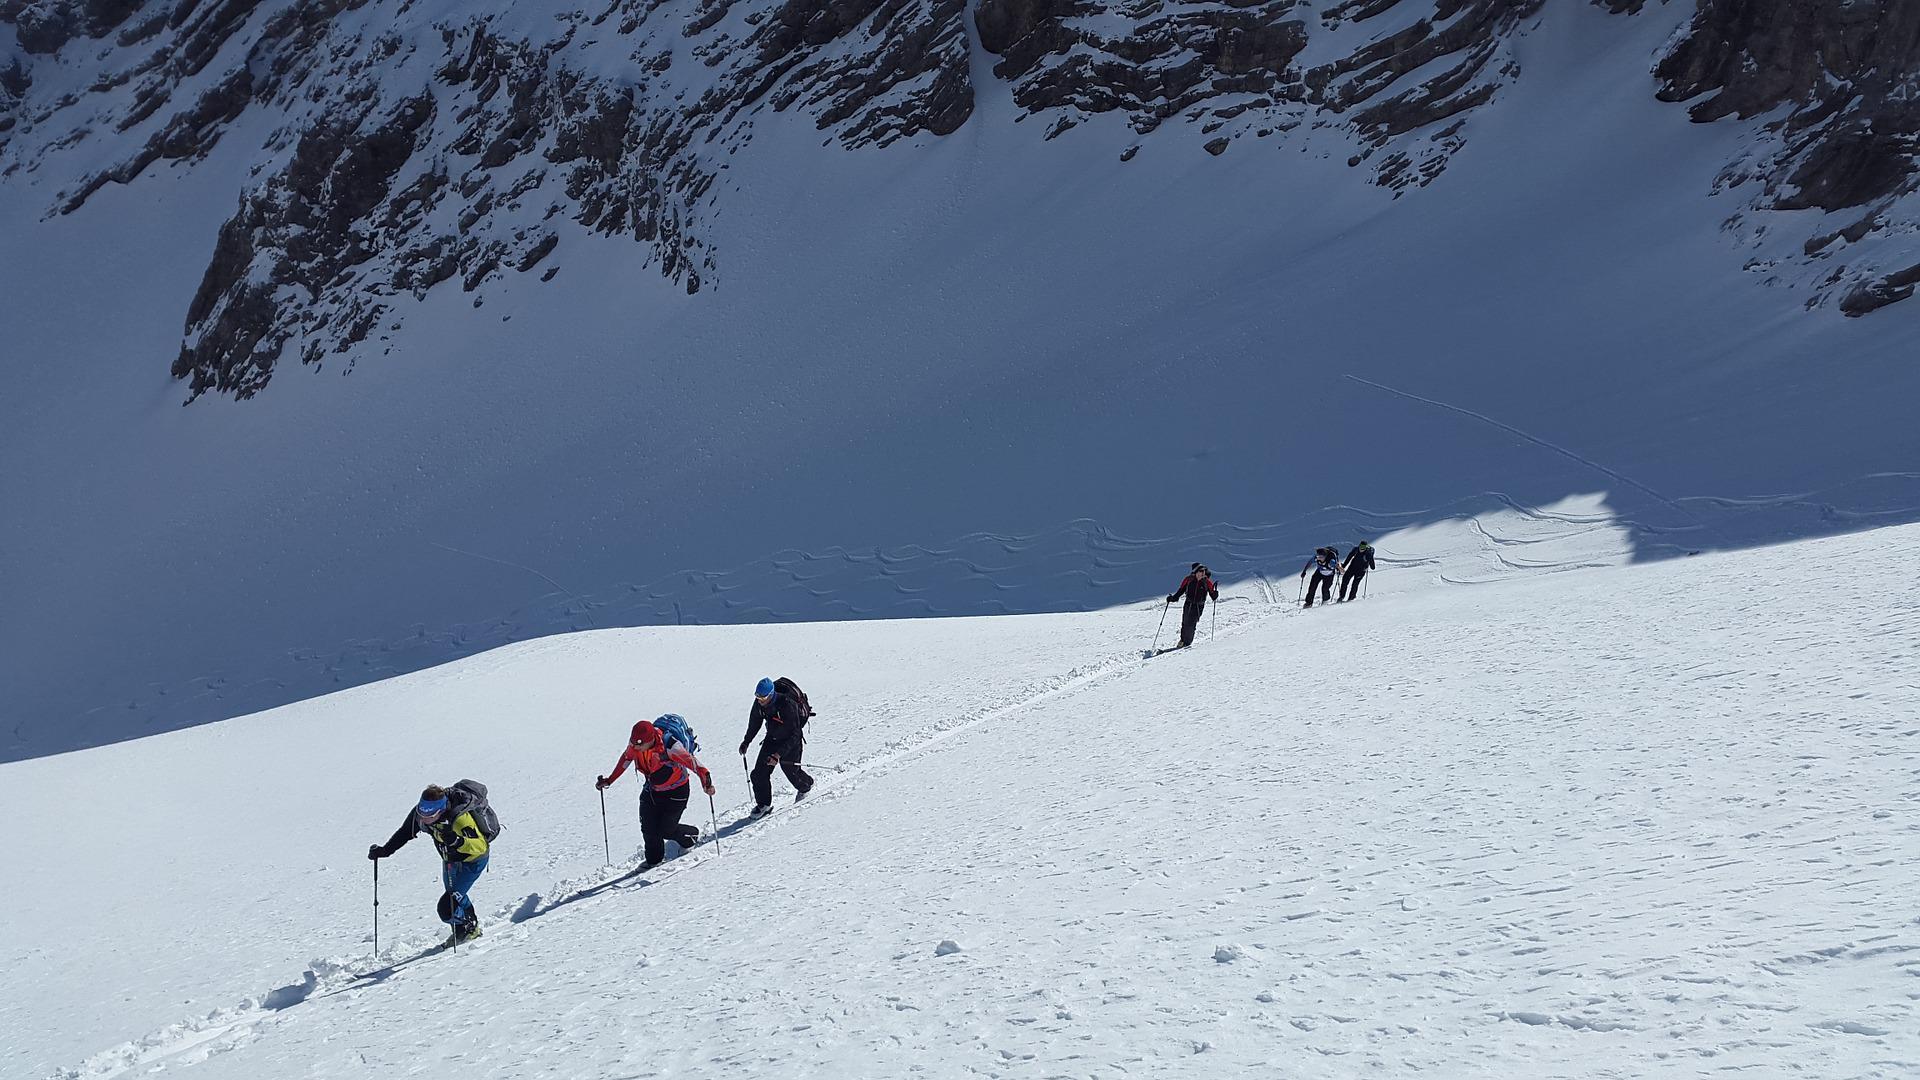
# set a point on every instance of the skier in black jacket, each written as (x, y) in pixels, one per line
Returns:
(784, 714)
(1197, 587)
(1359, 561)
(1323, 566)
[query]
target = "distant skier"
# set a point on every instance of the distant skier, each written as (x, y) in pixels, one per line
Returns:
(1198, 586)
(783, 709)
(459, 821)
(663, 769)
(1354, 570)
(1323, 566)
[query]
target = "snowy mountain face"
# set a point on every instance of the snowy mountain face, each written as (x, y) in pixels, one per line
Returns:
(1839, 84)
(405, 146)
(717, 313)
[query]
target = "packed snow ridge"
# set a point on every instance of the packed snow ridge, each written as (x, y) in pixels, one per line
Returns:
(1628, 820)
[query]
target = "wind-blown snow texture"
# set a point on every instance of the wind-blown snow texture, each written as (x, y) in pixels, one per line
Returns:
(980, 351)
(1632, 821)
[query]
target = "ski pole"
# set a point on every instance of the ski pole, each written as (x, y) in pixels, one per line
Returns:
(713, 815)
(604, 840)
(376, 909)
(1163, 625)
(1213, 620)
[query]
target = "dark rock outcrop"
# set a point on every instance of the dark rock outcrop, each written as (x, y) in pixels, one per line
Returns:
(1232, 67)
(1161, 58)
(1840, 74)
(408, 161)
(44, 26)
(407, 145)
(308, 229)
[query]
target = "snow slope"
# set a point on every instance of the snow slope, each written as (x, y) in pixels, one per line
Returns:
(950, 347)
(1654, 819)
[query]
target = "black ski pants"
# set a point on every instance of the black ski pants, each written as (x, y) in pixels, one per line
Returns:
(1189, 622)
(789, 755)
(1323, 582)
(1350, 584)
(660, 821)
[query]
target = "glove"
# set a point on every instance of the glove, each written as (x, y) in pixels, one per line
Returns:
(743, 749)
(706, 781)
(1169, 599)
(374, 852)
(600, 783)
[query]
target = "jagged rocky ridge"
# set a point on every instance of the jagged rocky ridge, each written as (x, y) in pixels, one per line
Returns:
(1839, 84)
(411, 145)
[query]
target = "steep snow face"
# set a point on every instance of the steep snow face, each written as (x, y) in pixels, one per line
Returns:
(1627, 821)
(399, 146)
(925, 373)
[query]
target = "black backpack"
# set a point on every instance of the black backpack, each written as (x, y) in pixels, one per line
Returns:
(784, 685)
(470, 796)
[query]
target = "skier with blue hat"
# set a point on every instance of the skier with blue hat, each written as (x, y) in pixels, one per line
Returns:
(462, 827)
(783, 708)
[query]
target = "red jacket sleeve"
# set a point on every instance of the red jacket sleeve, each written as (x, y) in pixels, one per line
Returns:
(621, 765)
(684, 758)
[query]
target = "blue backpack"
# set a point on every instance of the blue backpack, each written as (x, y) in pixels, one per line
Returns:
(673, 729)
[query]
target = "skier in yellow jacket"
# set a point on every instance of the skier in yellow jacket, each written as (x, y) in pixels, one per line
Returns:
(454, 819)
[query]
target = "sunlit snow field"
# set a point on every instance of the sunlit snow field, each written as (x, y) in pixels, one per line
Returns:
(1571, 820)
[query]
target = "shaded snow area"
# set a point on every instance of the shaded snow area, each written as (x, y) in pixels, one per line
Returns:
(1654, 819)
(970, 374)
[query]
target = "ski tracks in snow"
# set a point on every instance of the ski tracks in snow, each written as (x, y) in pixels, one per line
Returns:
(196, 1039)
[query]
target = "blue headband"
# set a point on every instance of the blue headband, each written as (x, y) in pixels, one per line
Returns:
(436, 806)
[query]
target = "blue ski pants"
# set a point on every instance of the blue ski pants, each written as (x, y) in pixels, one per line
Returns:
(458, 877)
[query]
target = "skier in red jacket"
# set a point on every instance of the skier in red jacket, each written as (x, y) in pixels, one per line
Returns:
(664, 771)
(1197, 587)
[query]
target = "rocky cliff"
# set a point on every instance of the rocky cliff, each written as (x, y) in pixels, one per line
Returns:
(1837, 85)
(404, 146)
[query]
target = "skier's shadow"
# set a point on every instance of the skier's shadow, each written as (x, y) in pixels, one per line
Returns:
(380, 975)
(534, 906)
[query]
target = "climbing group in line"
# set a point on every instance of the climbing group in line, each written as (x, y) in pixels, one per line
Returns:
(664, 753)
(1326, 563)
(1198, 587)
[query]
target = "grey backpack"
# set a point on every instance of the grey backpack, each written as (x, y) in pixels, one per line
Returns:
(470, 796)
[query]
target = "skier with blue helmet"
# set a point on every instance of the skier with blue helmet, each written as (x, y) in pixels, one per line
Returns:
(781, 706)
(458, 820)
